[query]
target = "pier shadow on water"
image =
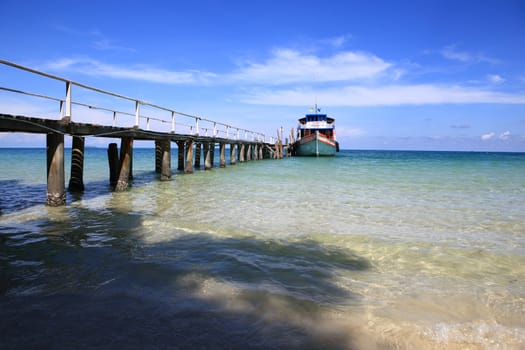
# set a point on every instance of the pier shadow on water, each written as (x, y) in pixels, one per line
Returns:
(93, 281)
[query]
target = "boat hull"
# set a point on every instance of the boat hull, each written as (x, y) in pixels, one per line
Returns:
(315, 145)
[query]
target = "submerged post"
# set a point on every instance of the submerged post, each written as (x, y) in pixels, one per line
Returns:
(76, 182)
(198, 151)
(165, 160)
(233, 156)
(126, 149)
(207, 156)
(180, 146)
(113, 164)
(56, 188)
(222, 157)
(158, 156)
(241, 153)
(188, 168)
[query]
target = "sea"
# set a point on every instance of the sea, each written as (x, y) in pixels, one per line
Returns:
(364, 250)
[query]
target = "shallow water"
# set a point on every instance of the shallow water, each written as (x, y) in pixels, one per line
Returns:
(368, 249)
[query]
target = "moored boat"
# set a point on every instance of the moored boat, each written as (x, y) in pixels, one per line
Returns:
(316, 135)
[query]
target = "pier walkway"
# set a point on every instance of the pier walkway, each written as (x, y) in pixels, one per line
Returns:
(127, 119)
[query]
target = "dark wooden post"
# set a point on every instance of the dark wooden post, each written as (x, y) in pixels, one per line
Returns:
(255, 152)
(126, 149)
(207, 156)
(233, 156)
(188, 168)
(76, 182)
(165, 162)
(198, 151)
(212, 153)
(56, 188)
(113, 164)
(222, 155)
(158, 156)
(180, 146)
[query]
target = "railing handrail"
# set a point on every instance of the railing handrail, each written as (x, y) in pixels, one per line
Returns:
(138, 102)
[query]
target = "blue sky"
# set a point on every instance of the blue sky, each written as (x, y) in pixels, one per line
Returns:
(430, 75)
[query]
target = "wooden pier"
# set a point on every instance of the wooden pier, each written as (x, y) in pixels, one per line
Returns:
(193, 135)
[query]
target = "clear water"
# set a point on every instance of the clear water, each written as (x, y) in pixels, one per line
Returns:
(365, 250)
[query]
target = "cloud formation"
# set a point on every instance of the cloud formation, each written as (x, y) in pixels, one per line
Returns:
(287, 66)
(488, 136)
(148, 73)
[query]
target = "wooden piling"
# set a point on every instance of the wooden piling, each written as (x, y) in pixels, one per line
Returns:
(126, 149)
(113, 164)
(222, 155)
(56, 188)
(198, 151)
(158, 156)
(76, 181)
(188, 168)
(212, 153)
(233, 156)
(165, 160)
(180, 146)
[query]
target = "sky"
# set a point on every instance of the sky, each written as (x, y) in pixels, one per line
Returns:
(414, 75)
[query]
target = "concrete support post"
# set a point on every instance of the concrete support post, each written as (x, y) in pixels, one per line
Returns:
(233, 156)
(241, 153)
(76, 181)
(207, 156)
(222, 158)
(165, 160)
(261, 154)
(249, 153)
(188, 168)
(126, 155)
(56, 188)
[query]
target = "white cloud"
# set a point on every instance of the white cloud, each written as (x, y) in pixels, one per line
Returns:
(386, 95)
(505, 135)
(291, 66)
(495, 78)
(138, 72)
(488, 136)
(452, 53)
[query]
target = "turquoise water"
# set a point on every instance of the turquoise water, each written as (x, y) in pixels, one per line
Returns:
(365, 250)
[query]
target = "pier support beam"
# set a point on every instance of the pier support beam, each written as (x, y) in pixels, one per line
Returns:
(241, 153)
(165, 159)
(158, 156)
(255, 152)
(113, 164)
(207, 156)
(249, 153)
(188, 168)
(180, 146)
(261, 154)
(126, 155)
(56, 188)
(222, 157)
(76, 181)
(233, 156)
(198, 151)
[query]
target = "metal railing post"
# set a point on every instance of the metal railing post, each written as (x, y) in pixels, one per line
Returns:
(137, 113)
(68, 101)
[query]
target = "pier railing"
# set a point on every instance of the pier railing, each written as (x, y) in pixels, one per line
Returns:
(133, 112)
